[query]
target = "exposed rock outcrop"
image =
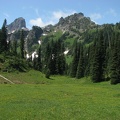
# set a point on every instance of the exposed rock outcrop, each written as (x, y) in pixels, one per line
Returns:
(18, 24)
(75, 22)
(33, 37)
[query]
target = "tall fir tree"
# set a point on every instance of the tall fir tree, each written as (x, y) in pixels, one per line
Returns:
(75, 60)
(80, 68)
(22, 49)
(60, 58)
(87, 61)
(1, 45)
(46, 58)
(39, 59)
(35, 63)
(115, 69)
(98, 59)
(14, 47)
(54, 57)
(3, 39)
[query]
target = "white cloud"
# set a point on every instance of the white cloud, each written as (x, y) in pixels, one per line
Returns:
(95, 16)
(59, 14)
(51, 18)
(39, 22)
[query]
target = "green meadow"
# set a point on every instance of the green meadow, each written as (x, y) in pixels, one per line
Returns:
(34, 97)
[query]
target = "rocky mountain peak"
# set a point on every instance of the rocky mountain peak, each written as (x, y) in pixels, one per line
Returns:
(74, 17)
(74, 22)
(17, 24)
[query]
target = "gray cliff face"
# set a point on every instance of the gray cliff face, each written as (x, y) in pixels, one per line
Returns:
(18, 24)
(75, 22)
(74, 25)
(31, 36)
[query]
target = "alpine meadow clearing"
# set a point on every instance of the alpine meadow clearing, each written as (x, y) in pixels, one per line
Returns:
(33, 97)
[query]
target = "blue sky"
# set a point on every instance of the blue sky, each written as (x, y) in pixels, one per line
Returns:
(43, 12)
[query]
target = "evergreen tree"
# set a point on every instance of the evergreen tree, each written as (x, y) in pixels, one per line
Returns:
(39, 59)
(50, 66)
(54, 57)
(115, 67)
(1, 45)
(80, 68)
(47, 74)
(96, 77)
(22, 50)
(49, 61)
(35, 63)
(98, 59)
(75, 60)
(87, 61)
(14, 47)
(57, 56)
(46, 57)
(108, 31)
(60, 58)
(3, 37)
(62, 64)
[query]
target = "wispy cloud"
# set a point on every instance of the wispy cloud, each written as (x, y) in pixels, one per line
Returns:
(37, 12)
(6, 15)
(59, 14)
(33, 9)
(51, 18)
(40, 22)
(95, 16)
(112, 12)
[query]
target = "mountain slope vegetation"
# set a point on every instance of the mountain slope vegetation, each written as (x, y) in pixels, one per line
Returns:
(75, 47)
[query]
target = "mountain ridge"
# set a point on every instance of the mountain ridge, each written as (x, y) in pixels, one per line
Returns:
(74, 24)
(17, 24)
(74, 21)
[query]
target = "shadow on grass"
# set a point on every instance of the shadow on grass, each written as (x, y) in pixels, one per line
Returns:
(51, 79)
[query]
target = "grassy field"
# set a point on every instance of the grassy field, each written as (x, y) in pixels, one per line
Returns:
(58, 98)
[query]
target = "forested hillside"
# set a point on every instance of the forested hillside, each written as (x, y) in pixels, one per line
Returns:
(76, 50)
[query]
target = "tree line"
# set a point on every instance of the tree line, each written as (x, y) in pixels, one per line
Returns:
(96, 56)
(101, 58)
(12, 58)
